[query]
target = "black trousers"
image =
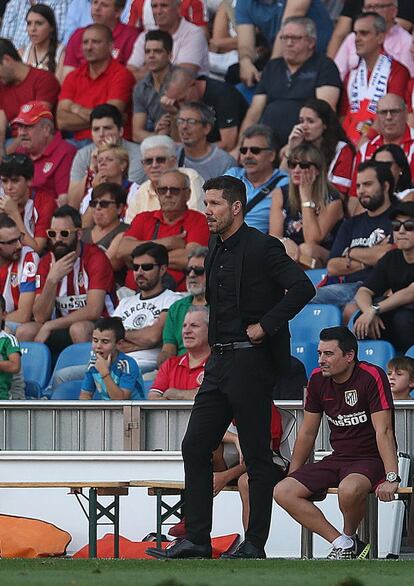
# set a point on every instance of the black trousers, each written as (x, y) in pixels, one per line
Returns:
(237, 384)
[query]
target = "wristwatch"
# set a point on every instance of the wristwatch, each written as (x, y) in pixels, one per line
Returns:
(309, 204)
(376, 308)
(393, 477)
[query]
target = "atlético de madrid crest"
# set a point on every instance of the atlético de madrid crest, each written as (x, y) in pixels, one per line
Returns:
(351, 397)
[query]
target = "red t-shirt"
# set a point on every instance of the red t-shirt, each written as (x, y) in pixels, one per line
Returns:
(175, 373)
(368, 149)
(38, 85)
(192, 10)
(348, 407)
(143, 228)
(124, 37)
(52, 168)
(92, 270)
(115, 83)
(38, 213)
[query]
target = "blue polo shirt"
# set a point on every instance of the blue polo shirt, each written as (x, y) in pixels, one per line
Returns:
(125, 373)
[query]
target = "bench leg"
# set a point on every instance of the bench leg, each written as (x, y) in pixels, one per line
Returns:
(369, 526)
(92, 522)
(170, 511)
(306, 544)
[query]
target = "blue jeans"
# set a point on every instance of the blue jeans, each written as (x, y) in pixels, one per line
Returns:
(337, 294)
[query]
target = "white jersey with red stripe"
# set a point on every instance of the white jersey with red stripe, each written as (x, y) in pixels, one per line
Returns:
(91, 270)
(19, 276)
(341, 167)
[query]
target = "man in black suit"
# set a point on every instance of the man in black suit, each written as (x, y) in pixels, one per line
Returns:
(253, 289)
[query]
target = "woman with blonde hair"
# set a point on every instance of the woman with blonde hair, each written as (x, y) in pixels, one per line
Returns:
(305, 214)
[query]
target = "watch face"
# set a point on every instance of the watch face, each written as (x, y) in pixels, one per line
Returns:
(391, 477)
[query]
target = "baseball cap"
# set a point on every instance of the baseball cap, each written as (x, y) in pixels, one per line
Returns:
(403, 208)
(32, 112)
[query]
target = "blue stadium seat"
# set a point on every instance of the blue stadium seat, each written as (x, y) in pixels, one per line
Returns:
(307, 353)
(378, 352)
(307, 324)
(73, 355)
(410, 352)
(67, 391)
(316, 275)
(36, 364)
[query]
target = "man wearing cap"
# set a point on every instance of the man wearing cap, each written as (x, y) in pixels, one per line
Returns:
(52, 156)
(386, 299)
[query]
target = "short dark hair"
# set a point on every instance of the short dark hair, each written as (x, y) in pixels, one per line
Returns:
(111, 323)
(345, 338)
(380, 23)
(107, 111)
(382, 171)
(7, 48)
(158, 252)
(2, 303)
(233, 189)
(67, 211)
(400, 158)
(113, 189)
(17, 165)
(207, 113)
(102, 28)
(161, 36)
(6, 221)
(266, 132)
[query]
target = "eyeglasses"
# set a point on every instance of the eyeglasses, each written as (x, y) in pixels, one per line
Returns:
(302, 164)
(293, 38)
(13, 240)
(390, 111)
(408, 225)
(198, 271)
(150, 161)
(170, 189)
(374, 7)
(253, 149)
(63, 233)
(18, 158)
(102, 203)
(189, 121)
(146, 266)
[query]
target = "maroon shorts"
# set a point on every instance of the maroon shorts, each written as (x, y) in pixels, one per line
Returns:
(329, 472)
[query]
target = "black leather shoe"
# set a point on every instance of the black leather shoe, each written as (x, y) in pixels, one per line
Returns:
(247, 551)
(181, 549)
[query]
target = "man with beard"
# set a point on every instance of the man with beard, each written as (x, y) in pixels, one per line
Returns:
(18, 266)
(253, 289)
(259, 154)
(74, 286)
(144, 314)
(361, 240)
(172, 339)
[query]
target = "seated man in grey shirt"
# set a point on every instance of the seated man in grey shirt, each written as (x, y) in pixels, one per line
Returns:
(106, 128)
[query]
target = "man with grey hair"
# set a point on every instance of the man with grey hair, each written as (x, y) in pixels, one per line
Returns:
(172, 340)
(175, 226)
(288, 81)
(51, 155)
(180, 377)
(259, 155)
(195, 121)
(158, 154)
(397, 40)
(361, 93)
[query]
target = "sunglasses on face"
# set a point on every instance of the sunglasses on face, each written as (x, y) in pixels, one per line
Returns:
(150, 161)
(302, 164)
(170, 189)
(253, 149)
(13, 240)
(63, 233)
(102, 203)
(198, 271)
(408, 225)
(146, 266)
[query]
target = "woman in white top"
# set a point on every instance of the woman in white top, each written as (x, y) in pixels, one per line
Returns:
(43, 51)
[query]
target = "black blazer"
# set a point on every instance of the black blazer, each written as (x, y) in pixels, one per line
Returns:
(270, 288)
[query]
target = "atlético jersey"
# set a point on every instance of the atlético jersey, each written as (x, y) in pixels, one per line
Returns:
(348, 407)
(91, 270)
(18, 277)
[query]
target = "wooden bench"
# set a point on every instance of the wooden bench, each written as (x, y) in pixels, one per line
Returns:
(368, 528)
(163, 488)
(96, 510)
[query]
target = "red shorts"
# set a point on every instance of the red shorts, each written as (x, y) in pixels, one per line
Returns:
(329, 472)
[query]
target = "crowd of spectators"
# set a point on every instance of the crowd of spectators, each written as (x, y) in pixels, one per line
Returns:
(113, 113)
